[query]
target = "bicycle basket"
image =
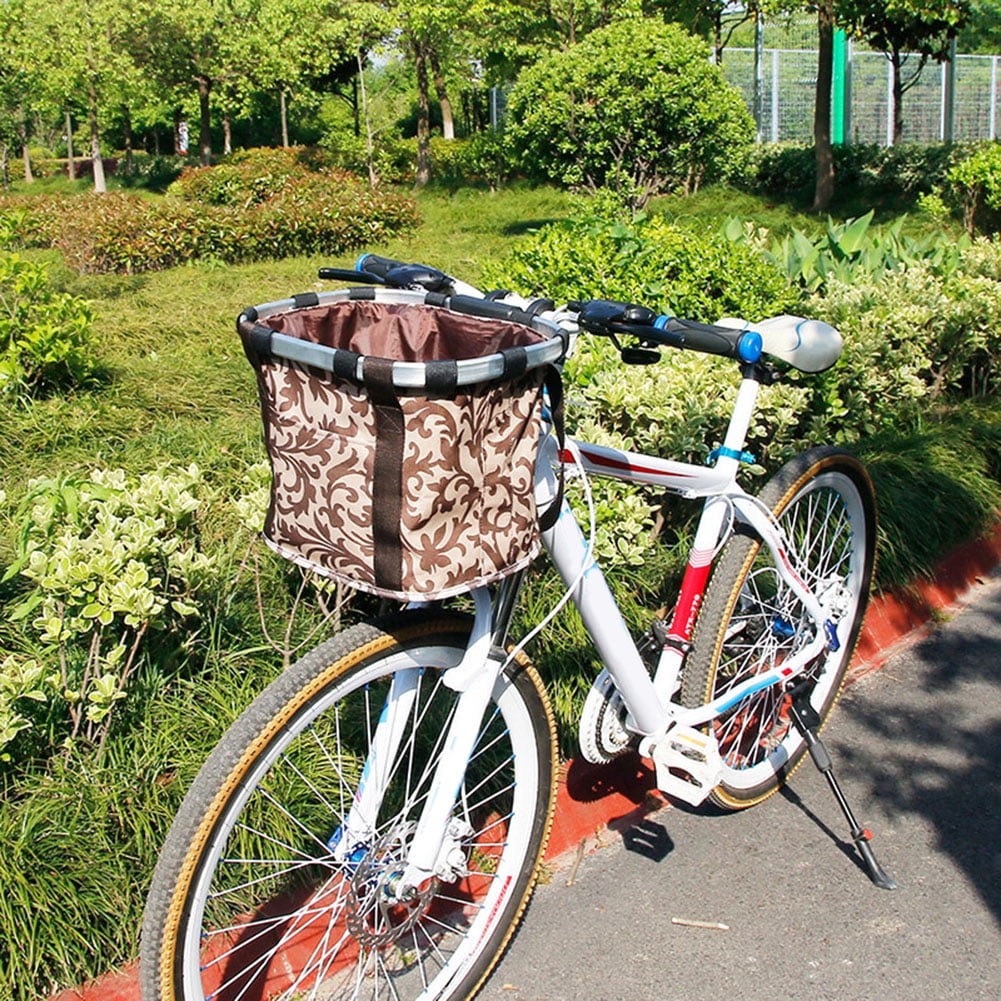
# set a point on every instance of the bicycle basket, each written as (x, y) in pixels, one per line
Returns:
(402, 430)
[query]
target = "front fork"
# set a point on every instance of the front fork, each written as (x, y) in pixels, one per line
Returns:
(435, 849)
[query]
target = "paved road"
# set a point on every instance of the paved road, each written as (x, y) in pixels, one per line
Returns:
(918, 748)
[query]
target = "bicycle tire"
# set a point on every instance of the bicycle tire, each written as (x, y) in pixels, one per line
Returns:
(248, 899)
(748, 623)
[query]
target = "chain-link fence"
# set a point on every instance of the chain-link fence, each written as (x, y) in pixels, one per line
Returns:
(787, 78)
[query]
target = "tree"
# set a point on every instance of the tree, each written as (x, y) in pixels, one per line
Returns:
(824, 189)
(982, 31)
(291, 60)
(20, 85)
(518, 33)
(188, 43)
(716, 20)
(432, 33)
(909, 33)
(72, 46)
(635, 106)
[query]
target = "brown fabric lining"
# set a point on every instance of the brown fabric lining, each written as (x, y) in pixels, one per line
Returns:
(407, 332)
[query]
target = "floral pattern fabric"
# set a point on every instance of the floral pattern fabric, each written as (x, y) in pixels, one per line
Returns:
(468, 513)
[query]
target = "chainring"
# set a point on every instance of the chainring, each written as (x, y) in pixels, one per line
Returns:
(602, 732)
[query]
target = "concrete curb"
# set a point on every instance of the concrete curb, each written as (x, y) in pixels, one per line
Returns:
(591, 798)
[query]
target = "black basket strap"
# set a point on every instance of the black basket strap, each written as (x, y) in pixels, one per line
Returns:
(557, 412)
(442, 377)
(387, 474)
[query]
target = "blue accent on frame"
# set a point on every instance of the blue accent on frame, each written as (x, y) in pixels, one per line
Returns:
(831, 631)
(730, 453)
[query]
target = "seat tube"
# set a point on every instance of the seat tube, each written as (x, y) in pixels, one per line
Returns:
(604, 623)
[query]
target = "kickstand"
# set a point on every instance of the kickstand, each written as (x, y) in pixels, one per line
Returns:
(807, 721)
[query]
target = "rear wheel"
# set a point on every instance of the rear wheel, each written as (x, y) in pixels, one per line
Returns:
(750, 620)
(251, 898)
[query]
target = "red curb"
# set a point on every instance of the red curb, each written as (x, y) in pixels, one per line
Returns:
(895, 620)
(122, 985)
(591, 798)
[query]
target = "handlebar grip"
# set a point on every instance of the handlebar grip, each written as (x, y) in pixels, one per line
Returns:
(376, 265)
(489, 308)
(704, 337)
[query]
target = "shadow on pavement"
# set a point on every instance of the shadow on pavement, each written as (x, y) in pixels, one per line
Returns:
(935, 747)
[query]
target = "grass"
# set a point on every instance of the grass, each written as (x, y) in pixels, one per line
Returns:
(81, 833)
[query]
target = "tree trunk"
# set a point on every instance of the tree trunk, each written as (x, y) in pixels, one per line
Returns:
(357, 83)
(423, 116)
(22, 133)
(130, 160)
(284, 116)
(204, 121)
(96, 159)
(70, 160)
(896, 61)
(362, 97)
(824, 189)
(4, 166)
(227, 134)
(447, 120)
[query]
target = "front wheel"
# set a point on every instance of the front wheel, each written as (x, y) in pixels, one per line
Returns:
(750, 620)
(252, 898)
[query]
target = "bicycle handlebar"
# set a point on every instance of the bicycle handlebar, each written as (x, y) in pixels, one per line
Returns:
(605, 317)
(608, 318)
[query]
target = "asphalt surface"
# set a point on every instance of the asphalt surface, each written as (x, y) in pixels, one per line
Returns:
(917, 747)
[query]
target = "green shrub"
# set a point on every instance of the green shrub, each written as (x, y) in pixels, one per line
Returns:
(846, 252)
(680, 406)
(911, 337)
(113, 565)
(482, 158)
(864, 173)
(392, 159)
(635, 106)
(313, 213)
(247, 177)
(155, 173)
(45, 336)
(975, 184)
(698, 275)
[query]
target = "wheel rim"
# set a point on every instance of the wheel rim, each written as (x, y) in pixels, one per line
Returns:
(275, 915)
(825, 522)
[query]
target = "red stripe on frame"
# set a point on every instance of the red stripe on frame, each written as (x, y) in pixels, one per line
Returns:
(610, 463)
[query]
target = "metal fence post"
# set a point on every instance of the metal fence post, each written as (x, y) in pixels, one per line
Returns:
(991, 125)
(775, 95)
(949, 94)
(759, 75)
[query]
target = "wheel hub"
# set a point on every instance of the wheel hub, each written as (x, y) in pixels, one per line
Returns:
(377, 912)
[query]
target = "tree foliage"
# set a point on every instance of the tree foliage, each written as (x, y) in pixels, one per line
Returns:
(909, 32)
(635, 106)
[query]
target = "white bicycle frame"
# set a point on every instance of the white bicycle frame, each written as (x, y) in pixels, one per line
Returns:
(652, 712)
(649, 700)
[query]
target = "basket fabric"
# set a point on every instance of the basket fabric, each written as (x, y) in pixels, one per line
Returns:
(408, 494)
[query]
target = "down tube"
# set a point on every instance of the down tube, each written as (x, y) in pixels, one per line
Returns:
(603, 621)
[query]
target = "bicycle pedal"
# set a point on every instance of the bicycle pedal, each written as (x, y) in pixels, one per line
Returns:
(688, 764)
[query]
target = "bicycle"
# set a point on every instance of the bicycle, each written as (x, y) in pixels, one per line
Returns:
(373, 824)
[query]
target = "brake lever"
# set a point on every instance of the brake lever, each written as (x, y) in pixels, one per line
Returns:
(347, 275)
(409, 275)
